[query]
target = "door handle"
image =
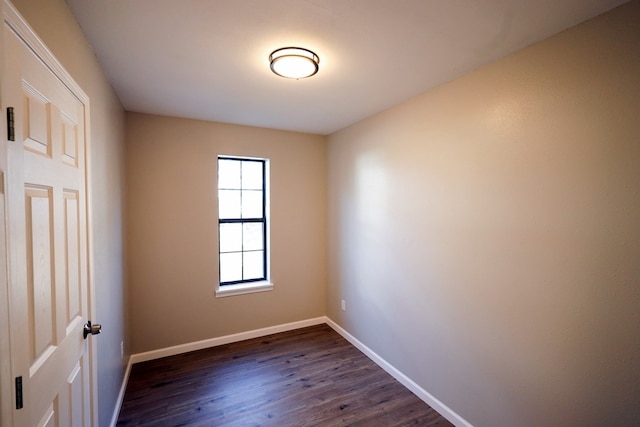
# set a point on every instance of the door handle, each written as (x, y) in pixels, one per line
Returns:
(90, 329)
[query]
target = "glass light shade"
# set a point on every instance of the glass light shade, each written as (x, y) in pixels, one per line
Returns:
(294, 62)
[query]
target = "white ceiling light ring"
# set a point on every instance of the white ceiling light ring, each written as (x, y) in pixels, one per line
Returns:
(294, 62)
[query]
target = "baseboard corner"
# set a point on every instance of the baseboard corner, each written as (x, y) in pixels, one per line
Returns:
(423, 394)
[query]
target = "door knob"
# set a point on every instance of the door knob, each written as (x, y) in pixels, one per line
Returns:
(94, 329)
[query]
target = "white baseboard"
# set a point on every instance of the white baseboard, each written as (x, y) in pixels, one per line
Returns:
(212, 342)
(424, 395)
(199, 345)
(125, 380)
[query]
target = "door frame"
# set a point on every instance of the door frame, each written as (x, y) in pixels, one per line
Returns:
(6, 379)
(13, 19)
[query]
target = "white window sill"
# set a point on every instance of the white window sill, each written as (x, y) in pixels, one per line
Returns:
(243, 288)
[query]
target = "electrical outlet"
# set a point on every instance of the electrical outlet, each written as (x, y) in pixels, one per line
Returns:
(121, 349)
(343, 305)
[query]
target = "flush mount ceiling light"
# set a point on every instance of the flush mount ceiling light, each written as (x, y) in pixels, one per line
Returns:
(294, 62)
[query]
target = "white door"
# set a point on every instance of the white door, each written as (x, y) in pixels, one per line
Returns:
(47, 238)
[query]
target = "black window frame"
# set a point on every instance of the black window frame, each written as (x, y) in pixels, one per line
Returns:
(262, 219)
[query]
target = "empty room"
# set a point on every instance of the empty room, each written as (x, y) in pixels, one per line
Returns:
(320, 213)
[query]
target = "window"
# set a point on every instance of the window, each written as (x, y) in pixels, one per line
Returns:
(242, 221)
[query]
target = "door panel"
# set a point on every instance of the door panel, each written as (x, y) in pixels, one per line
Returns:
(39, 281)
(46, 205)
(75, 384)
(72, 254)
(36, 121)
(69, 141)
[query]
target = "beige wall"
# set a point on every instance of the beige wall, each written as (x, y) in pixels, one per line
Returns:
(172, 239)
(54, 23)
(486, 235)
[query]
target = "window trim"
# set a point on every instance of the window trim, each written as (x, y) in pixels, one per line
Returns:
(225, 289)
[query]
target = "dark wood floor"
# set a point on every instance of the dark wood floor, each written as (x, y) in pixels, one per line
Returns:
(307, 377)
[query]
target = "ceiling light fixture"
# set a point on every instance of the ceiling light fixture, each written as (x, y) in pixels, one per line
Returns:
(294, 62)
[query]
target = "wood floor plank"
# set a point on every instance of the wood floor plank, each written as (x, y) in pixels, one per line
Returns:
(307, 377)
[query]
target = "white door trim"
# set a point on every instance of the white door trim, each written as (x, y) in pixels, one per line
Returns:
(13, 19)
(6, 380)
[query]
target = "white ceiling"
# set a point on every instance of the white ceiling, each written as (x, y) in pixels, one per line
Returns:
(208, 59)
